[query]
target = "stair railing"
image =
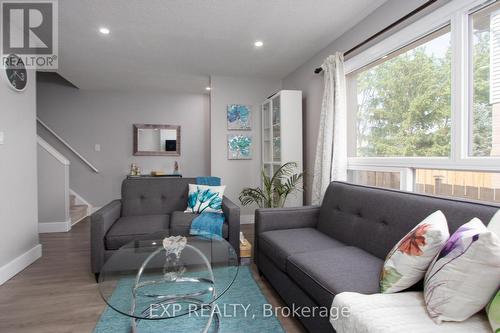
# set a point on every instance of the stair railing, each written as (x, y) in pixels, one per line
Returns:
(73, 150)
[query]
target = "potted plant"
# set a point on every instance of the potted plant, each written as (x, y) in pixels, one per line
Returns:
(275, 190)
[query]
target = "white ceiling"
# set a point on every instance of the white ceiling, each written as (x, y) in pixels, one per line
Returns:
(177, 44)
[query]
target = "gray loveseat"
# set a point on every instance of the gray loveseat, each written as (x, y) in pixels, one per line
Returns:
(150, 206)
(310, 254)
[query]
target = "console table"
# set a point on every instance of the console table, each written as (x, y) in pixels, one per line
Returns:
(177, 175)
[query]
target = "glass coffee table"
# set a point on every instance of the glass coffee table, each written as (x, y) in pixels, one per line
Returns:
(146, 281)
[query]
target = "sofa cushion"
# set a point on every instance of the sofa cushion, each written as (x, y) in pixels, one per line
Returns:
(494, 225)
(464, 275)
(324, 274)
(408, 261)
(205, 198)
(129, 228)
(374, 219)
(180, 224)
(493, 311)
(279, 245)
(154, 196)
(395, 313)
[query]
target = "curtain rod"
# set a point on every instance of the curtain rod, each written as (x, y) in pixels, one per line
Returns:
(389, 27)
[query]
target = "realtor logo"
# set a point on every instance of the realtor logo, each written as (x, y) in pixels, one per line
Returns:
(29, 30)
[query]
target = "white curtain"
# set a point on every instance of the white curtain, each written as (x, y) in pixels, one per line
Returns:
(331, 149)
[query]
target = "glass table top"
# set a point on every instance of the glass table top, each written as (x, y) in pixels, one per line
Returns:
(143, 281)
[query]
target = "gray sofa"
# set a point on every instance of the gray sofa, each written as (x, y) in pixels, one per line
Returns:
(310, 254)
(150, 206)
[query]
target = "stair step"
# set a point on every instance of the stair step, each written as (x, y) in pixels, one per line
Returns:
(72, 200)
(78, 212)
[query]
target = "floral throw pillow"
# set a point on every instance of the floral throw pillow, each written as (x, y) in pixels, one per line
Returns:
(464, 275)
(203, 198)
(408, 261)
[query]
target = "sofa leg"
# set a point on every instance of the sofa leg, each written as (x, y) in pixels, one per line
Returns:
(96, 277)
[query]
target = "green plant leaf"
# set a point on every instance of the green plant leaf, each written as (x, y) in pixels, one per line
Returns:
(252, 195)
(275, 189)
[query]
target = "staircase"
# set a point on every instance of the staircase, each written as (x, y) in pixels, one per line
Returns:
(54, 187)
(77, 212)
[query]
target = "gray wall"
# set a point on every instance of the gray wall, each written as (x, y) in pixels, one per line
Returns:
(18, 179)
(85, 118)
(303, 78)
(237, 174)
(53, 191)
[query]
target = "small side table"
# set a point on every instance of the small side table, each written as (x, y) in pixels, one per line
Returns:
(245, 252)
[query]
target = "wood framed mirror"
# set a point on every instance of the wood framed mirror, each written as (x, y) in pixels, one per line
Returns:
(157, 140)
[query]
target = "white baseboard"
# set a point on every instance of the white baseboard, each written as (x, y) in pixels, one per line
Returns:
(48, 227)
(247, 219)
(10, 269)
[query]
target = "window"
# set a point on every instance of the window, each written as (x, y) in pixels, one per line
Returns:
(403, 100)
(483, 186)
(485, 61)
(387, 179)
(424, 105)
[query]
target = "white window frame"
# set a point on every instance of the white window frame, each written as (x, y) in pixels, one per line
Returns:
(456, 14)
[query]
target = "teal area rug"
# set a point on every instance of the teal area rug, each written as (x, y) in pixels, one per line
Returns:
(242, 308)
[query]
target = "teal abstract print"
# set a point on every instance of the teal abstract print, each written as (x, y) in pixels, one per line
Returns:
(239, 147)
(202, 198)
(239, 117)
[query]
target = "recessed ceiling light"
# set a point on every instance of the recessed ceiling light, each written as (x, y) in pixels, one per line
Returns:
(208, 88)
(258, 43)
(104, 31)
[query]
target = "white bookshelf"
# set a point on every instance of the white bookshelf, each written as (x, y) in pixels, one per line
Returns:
(282, 135)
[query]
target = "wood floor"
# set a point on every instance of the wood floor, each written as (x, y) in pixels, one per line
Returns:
(58, 294)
